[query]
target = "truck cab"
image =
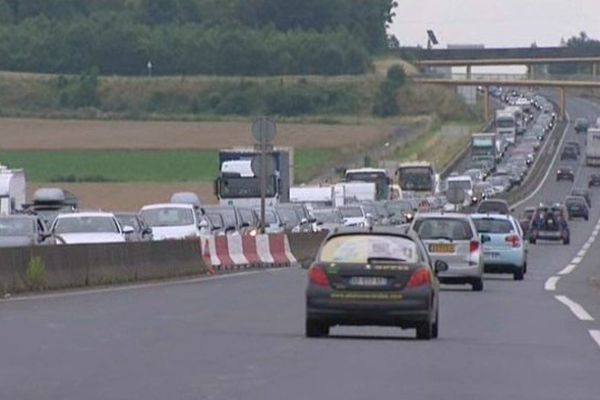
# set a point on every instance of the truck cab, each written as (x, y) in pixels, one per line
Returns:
(239, 185)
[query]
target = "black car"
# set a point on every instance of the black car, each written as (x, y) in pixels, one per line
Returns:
(569, 153)
(550, 223)
(494, 206)
(373, 276)
(594, 180)
(581, 125)
(585, 193)
(565, 173)
(141, 231)
(575, 145)
(577, 207)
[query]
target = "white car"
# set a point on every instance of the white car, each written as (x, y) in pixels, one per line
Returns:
(355, 215)
(172, 221)
(89, 227)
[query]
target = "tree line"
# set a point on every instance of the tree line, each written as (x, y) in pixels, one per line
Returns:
(221, 37)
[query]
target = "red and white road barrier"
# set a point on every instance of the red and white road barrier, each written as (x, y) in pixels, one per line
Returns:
(225, 252)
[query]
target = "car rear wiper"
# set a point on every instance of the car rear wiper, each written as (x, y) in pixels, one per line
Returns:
(371, 260)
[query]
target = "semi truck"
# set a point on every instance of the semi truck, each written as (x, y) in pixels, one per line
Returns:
(506, 125)
(13, 190)
(592, 150)
(239, 185)
(484, 148)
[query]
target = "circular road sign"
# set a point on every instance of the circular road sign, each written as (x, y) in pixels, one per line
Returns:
(264, 130)
(256, 164)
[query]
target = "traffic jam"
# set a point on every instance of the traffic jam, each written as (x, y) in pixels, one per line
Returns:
(453, 234)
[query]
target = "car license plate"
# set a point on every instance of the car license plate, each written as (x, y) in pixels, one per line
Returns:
(441, 248)
(491, 255)
(368, 281)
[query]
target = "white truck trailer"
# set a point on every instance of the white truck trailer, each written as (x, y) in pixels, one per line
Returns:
(592, 150)
(13, 190)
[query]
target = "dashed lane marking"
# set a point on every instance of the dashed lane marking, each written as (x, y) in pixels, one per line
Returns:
(575, 308)
(576, 260)
(596, 336)
(550, 284)
(568, 269)
(581, 253)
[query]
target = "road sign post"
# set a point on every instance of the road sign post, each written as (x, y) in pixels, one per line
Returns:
(263, 131)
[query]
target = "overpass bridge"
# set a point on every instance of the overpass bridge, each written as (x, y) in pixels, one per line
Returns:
(485, 82)
(526, 56)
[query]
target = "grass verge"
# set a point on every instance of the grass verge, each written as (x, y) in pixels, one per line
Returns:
(142, 166)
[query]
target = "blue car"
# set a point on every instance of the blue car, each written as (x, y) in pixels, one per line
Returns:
(504, 248)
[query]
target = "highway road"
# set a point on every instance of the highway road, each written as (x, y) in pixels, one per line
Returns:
(242, 336)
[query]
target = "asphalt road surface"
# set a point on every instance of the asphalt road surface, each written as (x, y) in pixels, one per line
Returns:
(242, 337)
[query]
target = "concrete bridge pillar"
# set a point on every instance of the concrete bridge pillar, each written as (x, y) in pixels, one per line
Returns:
(486, 103)
(531, 72)
(562, 105)
(594, 70)
(468, 72)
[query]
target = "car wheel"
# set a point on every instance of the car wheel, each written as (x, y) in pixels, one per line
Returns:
(525, 268)
(477, 285)
(566, 241)
(425, 331)
(436, 324)
(316, 328)
(586, 217)
(518, 276)
(532, 240)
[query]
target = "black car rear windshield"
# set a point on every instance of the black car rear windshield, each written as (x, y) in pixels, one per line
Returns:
(492, 208)
(360, 248)
(492, 225)
(443, 228)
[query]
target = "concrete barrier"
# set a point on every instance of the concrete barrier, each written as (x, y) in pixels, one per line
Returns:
(86, 265)
(304, 246)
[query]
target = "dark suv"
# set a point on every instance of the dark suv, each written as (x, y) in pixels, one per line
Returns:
(569, 153)
(577, 207)
(566, 174)
(581, 125)
(550, 223)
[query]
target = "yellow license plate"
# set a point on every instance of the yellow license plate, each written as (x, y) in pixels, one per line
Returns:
(441, 248)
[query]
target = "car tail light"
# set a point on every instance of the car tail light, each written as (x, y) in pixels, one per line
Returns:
(514, 240)
(420, 277)
(317, 276)
(473, 246)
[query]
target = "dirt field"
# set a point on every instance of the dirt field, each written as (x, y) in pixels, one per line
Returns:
(43, 134)
(128, 196)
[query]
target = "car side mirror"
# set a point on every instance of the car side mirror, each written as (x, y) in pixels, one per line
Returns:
(147, 231)
(303, 221)
(319, 223)
(312, 220)
(440, 266)
(203, 224)
(128, 230)
(369, 215)
(485, 239)
(245, 225)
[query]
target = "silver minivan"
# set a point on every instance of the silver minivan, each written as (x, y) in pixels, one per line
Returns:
(453, 238)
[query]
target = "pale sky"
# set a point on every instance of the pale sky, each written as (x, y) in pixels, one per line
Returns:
(495, 23)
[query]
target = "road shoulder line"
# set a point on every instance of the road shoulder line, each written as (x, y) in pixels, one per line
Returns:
(575, 308)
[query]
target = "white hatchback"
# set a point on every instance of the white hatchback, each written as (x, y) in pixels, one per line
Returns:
(173, 221)
(89, 227)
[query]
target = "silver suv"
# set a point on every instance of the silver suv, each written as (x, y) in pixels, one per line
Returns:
(453, 239)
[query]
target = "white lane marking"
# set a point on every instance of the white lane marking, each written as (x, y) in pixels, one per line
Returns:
(596, 336)
(576, 260)
(595, 232)
(568, 269)
(113, 289)
(581, 253)
(543, 180)
(550, 284)
(587, 245)
(575, 308)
